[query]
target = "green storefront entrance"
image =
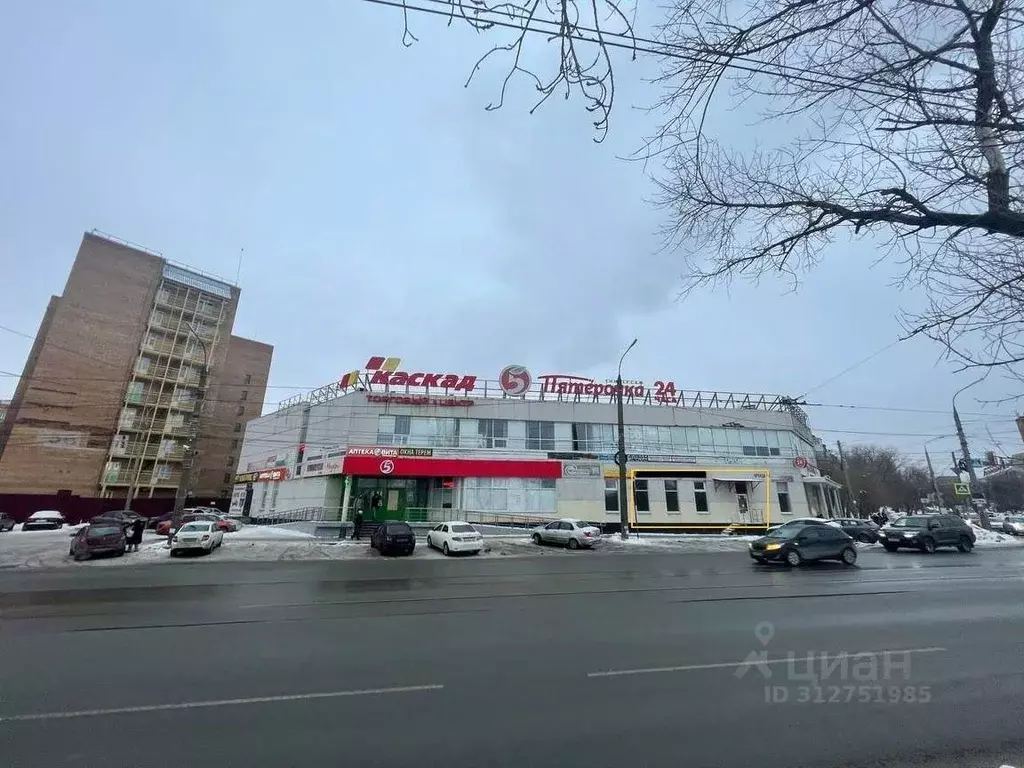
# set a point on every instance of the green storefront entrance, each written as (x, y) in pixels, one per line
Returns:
(402, 498)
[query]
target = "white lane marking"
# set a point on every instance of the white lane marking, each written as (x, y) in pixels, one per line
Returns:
(221, 703)
(733, 664)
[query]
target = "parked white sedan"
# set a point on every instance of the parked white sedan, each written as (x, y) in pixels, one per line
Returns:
(455, 536)
(568, 532)
(200, 535)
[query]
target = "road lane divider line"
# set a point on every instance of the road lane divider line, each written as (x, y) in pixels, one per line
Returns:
(758, 663)
(218, 703)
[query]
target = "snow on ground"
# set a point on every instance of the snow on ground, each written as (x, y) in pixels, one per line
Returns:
(44, 549)
(986, 538)
(268, 533)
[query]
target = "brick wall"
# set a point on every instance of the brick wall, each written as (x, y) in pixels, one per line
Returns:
(72, 388)
(234, 397)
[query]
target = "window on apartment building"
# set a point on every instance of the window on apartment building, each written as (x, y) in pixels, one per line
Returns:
(611, 495)
(641, 496)
(231, 461)
(234, 444)
(784, 505)
(238, 427)
(244, 395)
(540, 436)
(135, 392)
(493, 433)
(672, 495)
(248, 379)
(240, 411)
(227, 478)
(700, 496)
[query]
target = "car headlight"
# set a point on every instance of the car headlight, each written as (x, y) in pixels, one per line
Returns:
(773, 547)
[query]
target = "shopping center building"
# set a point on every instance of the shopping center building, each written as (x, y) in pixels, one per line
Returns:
(518, 447)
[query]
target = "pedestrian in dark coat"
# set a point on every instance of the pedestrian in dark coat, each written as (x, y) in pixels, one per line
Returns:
(357, 524)
(135, 536)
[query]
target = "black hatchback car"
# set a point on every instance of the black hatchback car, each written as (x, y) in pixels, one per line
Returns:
(797, 544)
(927, 533)
(394, 539)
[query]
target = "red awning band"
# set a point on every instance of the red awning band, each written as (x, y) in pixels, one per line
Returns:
(404, 466)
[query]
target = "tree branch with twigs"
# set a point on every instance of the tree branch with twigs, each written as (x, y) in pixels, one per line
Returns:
(896, 121)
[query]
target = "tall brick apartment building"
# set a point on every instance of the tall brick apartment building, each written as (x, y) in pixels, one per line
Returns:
(104, 404)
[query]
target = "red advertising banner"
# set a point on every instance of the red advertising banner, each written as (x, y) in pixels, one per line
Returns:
(406, 466)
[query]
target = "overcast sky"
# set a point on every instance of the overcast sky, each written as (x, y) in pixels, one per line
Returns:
(383, 210)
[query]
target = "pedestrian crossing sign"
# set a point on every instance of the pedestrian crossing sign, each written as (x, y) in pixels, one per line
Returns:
(962, 489)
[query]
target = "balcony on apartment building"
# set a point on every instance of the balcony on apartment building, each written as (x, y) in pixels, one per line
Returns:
(193, 306)
(181, 351)
(145, 478)
(157, 450)
(146, 368)
(182, 400)
(149, 420)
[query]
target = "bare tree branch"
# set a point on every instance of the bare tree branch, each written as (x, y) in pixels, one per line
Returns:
(896, 121)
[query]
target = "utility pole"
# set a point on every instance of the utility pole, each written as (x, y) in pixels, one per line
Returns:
(979, 508)
(846, 477)
(621, 457)
(185, 485)
(935, 483)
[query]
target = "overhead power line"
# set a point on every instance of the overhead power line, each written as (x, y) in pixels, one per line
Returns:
(629, 42)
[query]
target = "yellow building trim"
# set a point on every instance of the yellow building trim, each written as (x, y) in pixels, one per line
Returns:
(613, 474)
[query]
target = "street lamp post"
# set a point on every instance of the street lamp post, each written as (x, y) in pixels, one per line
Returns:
(620, 456)
(966, 453)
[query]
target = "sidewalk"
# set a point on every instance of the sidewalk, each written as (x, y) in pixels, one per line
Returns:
(49, 549)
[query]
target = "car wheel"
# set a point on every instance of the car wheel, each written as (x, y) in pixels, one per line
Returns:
(573, 544)
(174, 553)
(445, 549)
(864, 538)
(965, 545)
(849, 556)
(891, 547)
(928, 545)
(79, 558)
(536, 538)
(793, 558)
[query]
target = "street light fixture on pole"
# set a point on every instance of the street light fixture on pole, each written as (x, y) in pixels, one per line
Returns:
(966, 453)
(931, 472)
(184, 485)
(620, 456)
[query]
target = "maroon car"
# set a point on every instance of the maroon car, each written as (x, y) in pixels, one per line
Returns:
(98, 539)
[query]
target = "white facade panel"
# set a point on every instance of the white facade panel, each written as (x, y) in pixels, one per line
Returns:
(664, 439)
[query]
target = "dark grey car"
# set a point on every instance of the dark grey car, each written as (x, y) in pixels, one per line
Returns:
(6, 522)
(98, 539)
(798, 544)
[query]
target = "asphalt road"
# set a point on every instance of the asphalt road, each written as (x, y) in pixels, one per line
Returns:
(571, 661)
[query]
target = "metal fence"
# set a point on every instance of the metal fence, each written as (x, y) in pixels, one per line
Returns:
(412, 515)
(299, 515)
